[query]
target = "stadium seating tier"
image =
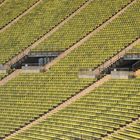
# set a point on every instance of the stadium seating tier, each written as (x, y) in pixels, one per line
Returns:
(27, 96)
(83, 23)
(10, 10)
(34, 25)
(93, 116)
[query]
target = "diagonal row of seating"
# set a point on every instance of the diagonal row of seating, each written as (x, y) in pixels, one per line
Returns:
(131, 132)
(105, 44)
(27, 96)
(10, 10)
(101, 112)
(82, 24)
(30, 28)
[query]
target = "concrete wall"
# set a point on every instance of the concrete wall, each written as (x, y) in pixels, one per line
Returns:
(32, 69)
(122, 74)
(87, 74)
(2, 69)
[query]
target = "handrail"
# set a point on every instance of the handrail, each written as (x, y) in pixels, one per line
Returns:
(45, 53)
(136, 66)
(121, 69)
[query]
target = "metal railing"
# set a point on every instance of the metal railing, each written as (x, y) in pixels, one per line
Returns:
(30, 64)
(45, 53)
(136, 66)
(121, 69)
